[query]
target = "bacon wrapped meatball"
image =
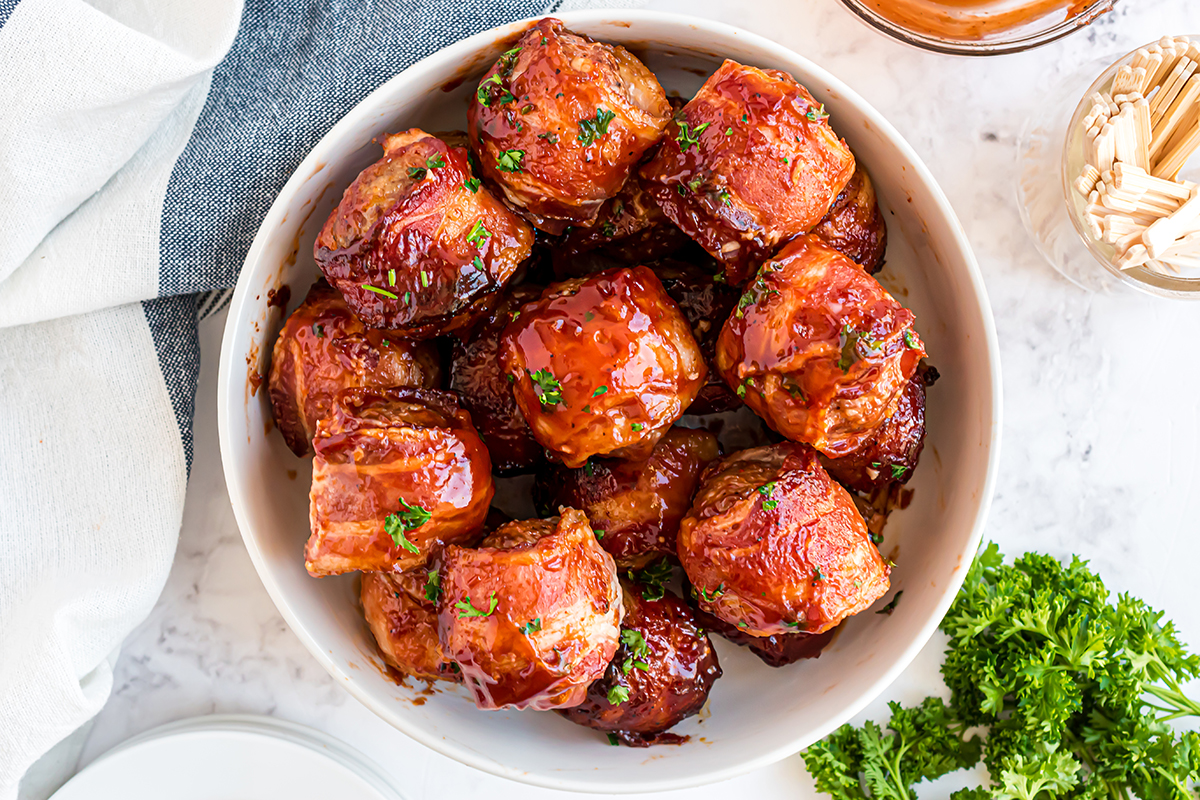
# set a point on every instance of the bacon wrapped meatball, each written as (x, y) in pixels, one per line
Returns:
(417, 245)
(488, 393)
(323, 350)
(892, 454)
(707, 303)
(773, 545)
(399, 608)
(630, 229)
(602, 366)
(854, 225)
(660, 676)
(818, 348)
(560, 121)
(396, 473)
(750, 162)
(776, 650)
(634, 506)
(532, 616)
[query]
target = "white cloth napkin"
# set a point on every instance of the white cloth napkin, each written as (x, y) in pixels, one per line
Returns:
(140, 145)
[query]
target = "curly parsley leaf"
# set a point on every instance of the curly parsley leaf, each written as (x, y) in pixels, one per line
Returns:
(510, 160)
(469, 610)
(407, 519)
(547, 387)
(593, 128)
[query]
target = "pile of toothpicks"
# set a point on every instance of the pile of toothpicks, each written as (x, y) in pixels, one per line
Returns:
(1137, 137)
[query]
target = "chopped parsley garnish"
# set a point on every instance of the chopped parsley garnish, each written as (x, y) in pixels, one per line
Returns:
(588, 468)
(478, 234)
(410, 518)
(433, 585)
(636, 643)
(725, 201)
(599, 391)
(408, 297)
(796, 624)
(688, 138)
(435, 162)
(525, 109)
(607, 228)
(729, 131)
(695, 182)
(817, 113)
(593, 128)
(549, 390)
(599, 532)
(636, 427)
(478, 264)
(552, 138)
(587, 409)
(891, 606)
(391, 277)
(472, 184)
(416, 173)
(745, 117)
(533, 626)
(766, 490)
(653, 579)
(681, 189)
(482, 95)
(385, 342)
(849, 341)
(588, 316)
(910, 339)
(508, 60)
(708, 598)
(510, 160)
(377, 290)
(617, 694)
(318, 330)
(898, 471)
(424, 278)
(469, 610)
(613, 740)
(817, 576)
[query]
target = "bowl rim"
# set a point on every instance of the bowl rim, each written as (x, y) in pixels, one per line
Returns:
(231, 358)
(979, 47)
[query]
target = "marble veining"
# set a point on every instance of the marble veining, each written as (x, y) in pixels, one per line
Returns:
(1100, 404)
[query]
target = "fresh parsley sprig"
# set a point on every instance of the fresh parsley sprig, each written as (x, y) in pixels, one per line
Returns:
(1074, 689)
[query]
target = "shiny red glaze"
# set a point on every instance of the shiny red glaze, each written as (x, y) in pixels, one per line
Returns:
(404, 623)
(776, 650)
(476, 377)
(630, 229)
(419, 227)
(323, 349)
(803, 564)
(378, 447)
(617, 330)
(533, 100)
(636, 503)
(854, 225)
(706, 303)
(892, 454)
(787, 349)
(763, 170)
(549, 573)
(681, 667)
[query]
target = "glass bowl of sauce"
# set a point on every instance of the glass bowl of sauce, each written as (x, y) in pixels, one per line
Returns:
(978, 27)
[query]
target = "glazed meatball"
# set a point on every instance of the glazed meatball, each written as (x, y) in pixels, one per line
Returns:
(818, 348)
(773, 545)
(397, 472)
(403, 619)
(630, 229)
(634, 506)
(750, 162)
(488, 394)
(660, 676)
(560, 121)
(322, 350)
(602, 366)
(776, 650)
(417, 245)
(532, 616)
(854, 225)
(891, 455)
(706, 302)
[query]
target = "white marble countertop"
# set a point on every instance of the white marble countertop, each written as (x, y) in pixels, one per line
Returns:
(1101, 410)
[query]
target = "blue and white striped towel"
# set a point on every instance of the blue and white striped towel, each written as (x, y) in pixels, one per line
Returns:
(140, 146)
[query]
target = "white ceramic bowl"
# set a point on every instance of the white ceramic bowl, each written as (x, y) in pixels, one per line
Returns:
(756, 714)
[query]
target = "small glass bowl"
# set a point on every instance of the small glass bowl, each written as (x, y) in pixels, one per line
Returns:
(1050, 152)
(1035, 33)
